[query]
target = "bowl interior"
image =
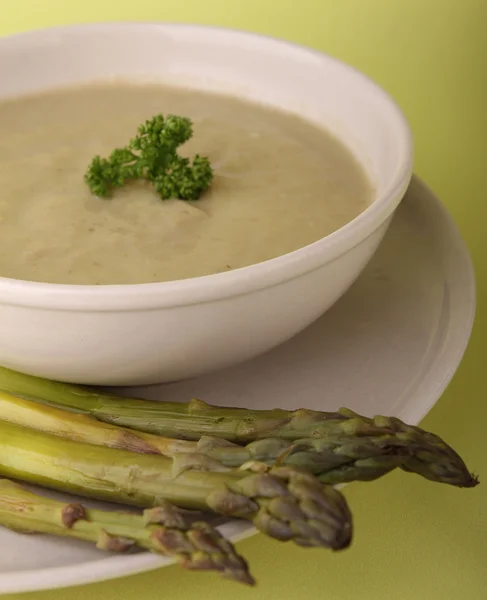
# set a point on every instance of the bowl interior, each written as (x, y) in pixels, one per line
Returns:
(253, 67)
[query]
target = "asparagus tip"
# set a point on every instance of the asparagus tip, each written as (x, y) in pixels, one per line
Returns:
(203, 548)
(474, 480)
(471, 480)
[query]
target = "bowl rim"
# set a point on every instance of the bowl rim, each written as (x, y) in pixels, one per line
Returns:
(244, 280)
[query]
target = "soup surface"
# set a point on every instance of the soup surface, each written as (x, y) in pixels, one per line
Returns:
(280, 183)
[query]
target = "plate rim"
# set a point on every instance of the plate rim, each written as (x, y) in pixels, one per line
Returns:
(114, 567)
(470, 292)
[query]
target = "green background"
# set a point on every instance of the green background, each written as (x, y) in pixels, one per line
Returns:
(423, 541)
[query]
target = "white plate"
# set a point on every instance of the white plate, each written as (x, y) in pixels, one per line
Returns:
(390, 346)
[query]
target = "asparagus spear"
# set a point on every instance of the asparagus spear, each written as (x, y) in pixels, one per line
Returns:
(283, 502)
(350, 446)
(163, 530)
(362, 452)
(172, 419)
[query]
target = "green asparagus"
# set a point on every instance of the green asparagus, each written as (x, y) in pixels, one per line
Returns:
(283, 502)
(163, 530)
(339, 446)
(362, 452)
(172, 419)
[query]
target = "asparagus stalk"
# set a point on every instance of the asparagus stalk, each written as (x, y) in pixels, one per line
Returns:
(172, 419)
(163, 530)
(339, 446)
(283, 502)
(363, 452)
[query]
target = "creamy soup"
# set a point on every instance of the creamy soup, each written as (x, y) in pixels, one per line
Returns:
(280, 183)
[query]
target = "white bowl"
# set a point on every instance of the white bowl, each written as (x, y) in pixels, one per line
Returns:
(158, 332)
